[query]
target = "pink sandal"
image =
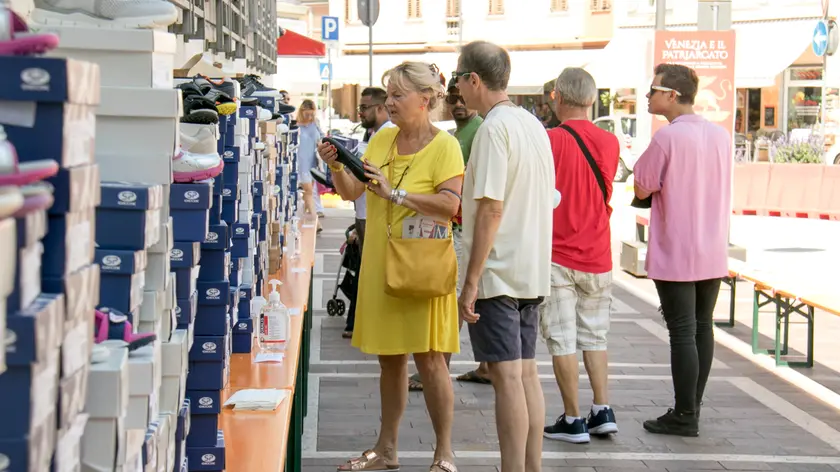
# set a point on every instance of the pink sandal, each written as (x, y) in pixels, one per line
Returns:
(16, 40)
(113, 325)
(18, 174)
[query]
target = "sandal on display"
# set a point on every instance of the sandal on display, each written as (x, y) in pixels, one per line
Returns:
(15, 38)
(369, 461)
(117, 14)
(36, 197)
(11, 200)
(113, 325)
(349, 160)
(17, 173)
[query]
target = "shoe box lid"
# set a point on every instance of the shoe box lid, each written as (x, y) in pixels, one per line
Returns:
(131, 196)
(40, 79)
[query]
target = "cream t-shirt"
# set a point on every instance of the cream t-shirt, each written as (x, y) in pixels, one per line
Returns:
(511, 162)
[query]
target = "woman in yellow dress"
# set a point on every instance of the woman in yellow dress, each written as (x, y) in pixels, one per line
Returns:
(427, 170)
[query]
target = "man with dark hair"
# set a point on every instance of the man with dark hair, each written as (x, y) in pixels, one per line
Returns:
(508, 189)
(686, 170)
(373, 116)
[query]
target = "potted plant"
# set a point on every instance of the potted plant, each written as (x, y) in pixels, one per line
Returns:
(801, 151)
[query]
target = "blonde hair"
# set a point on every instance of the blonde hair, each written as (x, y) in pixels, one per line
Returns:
(419, 77)
(305, 105)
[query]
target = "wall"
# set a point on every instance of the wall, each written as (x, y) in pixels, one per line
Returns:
(641, 13)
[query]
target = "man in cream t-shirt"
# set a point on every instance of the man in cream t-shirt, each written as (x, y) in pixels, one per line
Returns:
(507, 208)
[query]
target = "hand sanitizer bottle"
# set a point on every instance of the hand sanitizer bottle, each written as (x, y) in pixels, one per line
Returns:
(291, 239)
(275, 324)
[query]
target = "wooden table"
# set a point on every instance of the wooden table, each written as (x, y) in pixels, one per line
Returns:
(260, 441)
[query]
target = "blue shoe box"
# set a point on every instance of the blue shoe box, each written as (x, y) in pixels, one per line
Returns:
(250, 113)
(215, 265)
(230, 211)
(186, 309)
(242, 343)
(38, 329)
(31, 229)
(223, 123)
(243, 326)
(210, 348)
(230, 138)
(185, 281)
(258, 188)
(185, 254)
(189, 204)
(239, 248)
(208, 376)
(182, 425)
(231, 171)
(128, 215)
(26, 452)
(218, 238)
(218, 184)
(64, 94)
(216, 210)
(259, 204)
(231, 155)
(241, 231)
(214, 293)
(267, 102)
(207, 458)
(203, 431)
(204, 402)
(246, 293)
(122, 278)
(75, 189)
(211, 320)
(26, 390)
(69, 243)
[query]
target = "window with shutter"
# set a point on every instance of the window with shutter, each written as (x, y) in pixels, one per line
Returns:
(497, 7)
(601, 5)
(559, 5)
(452, 8)
(414, 9)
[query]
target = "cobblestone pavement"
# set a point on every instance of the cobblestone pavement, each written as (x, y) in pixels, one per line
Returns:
(752, 419)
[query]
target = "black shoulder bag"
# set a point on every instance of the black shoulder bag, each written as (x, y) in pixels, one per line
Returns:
(597, 172)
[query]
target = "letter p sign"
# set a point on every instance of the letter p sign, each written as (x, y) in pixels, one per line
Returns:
(329, 28)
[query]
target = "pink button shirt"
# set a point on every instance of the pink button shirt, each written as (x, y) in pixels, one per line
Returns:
(688, 169)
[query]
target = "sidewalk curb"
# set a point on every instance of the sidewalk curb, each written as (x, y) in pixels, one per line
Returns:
(744, 350)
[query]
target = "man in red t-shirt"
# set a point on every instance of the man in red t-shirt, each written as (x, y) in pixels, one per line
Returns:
(577, 314)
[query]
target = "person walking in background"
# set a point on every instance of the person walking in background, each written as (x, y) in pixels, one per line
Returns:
(466, 124)
(508, 192)
(373, 116)
(687, 171)
(310, 135)
(414, 168)
(577, 314)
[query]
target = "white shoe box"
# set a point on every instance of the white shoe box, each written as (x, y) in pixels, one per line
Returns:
(174, 362)
(68, 446)
(77, 344)
(158, 269)
(165, 242)
(107, 444)
(145, 370)
(108, 385)
(151, 309)
(142, 410)
(137, 143)
(167, 422)
(126, 57)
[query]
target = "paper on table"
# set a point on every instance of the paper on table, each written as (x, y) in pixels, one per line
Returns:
(269, 357)
(257, 399)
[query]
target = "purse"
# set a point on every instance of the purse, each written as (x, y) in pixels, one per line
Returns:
(418, 268)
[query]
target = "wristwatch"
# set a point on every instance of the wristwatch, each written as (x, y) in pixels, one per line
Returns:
(401, 194)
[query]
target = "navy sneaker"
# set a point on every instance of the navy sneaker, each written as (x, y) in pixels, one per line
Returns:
(575, 432)
(603, 423)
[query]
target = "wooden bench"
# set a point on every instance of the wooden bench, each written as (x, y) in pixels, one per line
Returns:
(260, 441)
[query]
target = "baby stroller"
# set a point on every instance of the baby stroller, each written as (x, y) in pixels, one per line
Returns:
(351, 261)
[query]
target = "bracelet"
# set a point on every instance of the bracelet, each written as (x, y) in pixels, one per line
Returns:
(401, 194)
(337, 168)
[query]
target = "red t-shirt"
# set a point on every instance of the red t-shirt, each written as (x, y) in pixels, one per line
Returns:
(582, 221)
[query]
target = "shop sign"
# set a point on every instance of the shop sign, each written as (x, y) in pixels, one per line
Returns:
(712, 55)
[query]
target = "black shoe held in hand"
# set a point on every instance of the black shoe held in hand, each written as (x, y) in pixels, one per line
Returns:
(349, 160)
(321, 178)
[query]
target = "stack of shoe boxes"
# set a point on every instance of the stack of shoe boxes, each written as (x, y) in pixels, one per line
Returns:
(52, 104)
(137, 144)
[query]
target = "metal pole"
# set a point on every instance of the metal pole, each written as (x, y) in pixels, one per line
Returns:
(460, 24)
(370, 43)
(660, 14)
(823, 111)
(329, 91)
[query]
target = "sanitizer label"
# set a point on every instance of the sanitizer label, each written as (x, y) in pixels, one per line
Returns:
(274, 330)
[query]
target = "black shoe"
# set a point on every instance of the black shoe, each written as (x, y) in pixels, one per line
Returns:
(350, 160)
(197, 108)
(249, 101)
(575, 432)
(284, 109)
(674, 424)
(321, 178)
(697, 410)
(603, 423)
(222, 86)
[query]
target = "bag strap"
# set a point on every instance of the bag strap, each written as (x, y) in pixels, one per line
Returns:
(391, 166)
(598, 177)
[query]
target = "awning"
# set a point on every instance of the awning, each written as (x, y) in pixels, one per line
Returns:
(298, 75)
(530, 70)
(297, 45)
(763, 50)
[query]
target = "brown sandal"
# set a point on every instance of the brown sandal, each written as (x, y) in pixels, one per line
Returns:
(444, 466)
(369, 461)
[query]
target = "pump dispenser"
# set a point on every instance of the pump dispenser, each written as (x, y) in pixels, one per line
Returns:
(274, 322)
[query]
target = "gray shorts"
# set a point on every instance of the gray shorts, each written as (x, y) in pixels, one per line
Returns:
(507, 329)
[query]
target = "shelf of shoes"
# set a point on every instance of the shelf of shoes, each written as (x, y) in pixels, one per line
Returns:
(48, 118)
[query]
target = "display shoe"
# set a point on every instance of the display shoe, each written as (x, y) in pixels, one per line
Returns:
(106, 13)
(350, 160)
(197, 108)
(222, 92)
(265, 115)
(15, 38)
(284, 109)
(11, 200)
(36, 197)
(198, 158)
(17, 173)
(113, 325)
(321, 178)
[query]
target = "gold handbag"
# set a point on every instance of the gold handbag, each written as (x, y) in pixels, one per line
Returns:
(418, 268)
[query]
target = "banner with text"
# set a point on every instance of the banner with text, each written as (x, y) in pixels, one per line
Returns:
(712, 55)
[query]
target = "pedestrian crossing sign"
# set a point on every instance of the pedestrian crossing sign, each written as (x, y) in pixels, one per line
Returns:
(325, 70)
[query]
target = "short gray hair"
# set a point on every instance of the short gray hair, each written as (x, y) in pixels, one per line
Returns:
(490, 62)
(576, 87)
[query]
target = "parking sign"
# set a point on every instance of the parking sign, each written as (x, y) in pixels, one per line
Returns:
(329, 28)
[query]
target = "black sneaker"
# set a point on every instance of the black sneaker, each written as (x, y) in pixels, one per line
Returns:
(283, 109)
(575, 432)
(674, 424)
(603, 423)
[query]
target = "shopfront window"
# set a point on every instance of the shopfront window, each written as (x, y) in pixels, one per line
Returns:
(804, 99)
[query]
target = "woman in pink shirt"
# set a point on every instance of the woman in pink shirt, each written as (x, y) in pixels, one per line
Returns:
(686, 170)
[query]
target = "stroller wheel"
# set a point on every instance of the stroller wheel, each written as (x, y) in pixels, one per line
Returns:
(341, 307)
(332, 308)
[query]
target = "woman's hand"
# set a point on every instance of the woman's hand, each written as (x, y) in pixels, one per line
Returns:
(327, 152)
(378, 183)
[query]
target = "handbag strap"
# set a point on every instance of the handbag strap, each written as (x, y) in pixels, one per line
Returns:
(585, 150)
(390, 159)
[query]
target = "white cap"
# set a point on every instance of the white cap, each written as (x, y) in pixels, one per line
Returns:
(274, 296)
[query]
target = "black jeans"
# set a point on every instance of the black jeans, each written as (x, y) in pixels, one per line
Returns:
(351, 312)
(688, 308)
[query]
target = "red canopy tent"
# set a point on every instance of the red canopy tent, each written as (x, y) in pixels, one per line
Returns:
(291, 44)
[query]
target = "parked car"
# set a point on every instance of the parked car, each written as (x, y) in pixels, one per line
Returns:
(624, 128)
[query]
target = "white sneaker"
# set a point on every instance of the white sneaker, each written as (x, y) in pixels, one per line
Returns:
(199, 138)
(264, 115)
(198, 158)
(106, 13)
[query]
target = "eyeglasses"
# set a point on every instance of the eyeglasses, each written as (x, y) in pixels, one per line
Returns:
(659, 88)
(454, 98)
(457, 74)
